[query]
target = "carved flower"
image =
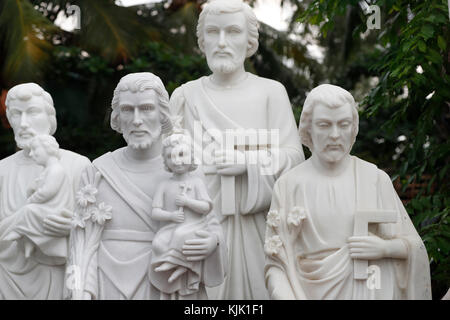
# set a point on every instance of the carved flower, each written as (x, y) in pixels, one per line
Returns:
(273, 218)
(86, 195)
(272, 245)
(102, 213)
(296, 216)
(79, 220)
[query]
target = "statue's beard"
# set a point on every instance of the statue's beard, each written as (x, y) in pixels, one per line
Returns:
(142, 145)
(223, 65)
(23, 143)
(139, 144)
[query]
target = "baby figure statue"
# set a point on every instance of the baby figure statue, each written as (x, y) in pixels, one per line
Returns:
(50, 193)
(182, 204)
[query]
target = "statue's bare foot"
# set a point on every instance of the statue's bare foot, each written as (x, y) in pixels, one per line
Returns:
(12, 236)
(176, 274)
(165, 267)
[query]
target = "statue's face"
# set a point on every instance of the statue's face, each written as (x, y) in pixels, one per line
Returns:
(331, 132)
(225, 41)
(178, 158)
(38, 153)
(139, 118)
(28, 118)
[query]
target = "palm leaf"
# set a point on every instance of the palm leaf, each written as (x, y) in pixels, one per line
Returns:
(111, 31)
(25, 39)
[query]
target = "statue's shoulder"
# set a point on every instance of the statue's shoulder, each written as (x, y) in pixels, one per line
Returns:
(74, 156)
(372, 169)
(105, 158)
(272, 86)
(295, 174)
(190, 85)
(6, 162)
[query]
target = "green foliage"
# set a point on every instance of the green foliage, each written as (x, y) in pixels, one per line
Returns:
(412, 98)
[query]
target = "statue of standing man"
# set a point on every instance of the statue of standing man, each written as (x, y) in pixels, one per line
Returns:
(233, 103)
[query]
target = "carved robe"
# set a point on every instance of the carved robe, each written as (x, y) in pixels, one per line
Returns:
(120, 262)
(311, 218)
(192, 109)
(40, 276)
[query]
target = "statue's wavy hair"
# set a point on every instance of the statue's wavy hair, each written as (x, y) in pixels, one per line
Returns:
(24, 92)
(47, 142)
(330, 96)
(179, 137)
(142, 81)
(230, 6)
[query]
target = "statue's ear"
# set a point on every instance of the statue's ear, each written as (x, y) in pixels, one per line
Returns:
(252, 47)
(115, 122)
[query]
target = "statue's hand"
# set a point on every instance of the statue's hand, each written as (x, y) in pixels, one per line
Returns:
(367, 247)
(181, 200)
(178, 216)
(199, 249)
(229, 163)
(58, 225)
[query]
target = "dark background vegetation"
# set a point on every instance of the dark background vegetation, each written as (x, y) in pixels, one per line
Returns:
(404, 108)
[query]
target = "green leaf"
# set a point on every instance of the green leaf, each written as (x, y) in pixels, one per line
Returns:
(422, 46)
(427, 31)
(441, 43)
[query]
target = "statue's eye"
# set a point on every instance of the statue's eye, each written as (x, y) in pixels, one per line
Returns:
(323, 124)
(212, 30)
(33, 111)
(15, 113)
(235, 30)
(127, 108)
(148, 107)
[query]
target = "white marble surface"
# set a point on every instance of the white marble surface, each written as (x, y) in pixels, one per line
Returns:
(318, 241)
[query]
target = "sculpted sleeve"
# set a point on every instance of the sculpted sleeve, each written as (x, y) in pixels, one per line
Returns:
(285, 152)
(412, 274)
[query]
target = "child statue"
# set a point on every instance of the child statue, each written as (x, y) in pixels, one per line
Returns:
(182, 204)
(50, 193)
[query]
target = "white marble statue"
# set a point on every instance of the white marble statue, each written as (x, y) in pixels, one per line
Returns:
(49, 194)
(30, 112)
(336, 228)
(233, 101)
(111, 242)
(182, 204)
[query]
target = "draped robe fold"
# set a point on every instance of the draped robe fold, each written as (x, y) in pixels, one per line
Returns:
(314, 257)
(40, 276)
(244, 231)
(120, 267)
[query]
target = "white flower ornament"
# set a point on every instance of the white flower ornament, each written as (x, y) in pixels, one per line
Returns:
(272, 245)
(296, 216)
(102, 213)
(273, 218)
(79, 220)
(86, 196)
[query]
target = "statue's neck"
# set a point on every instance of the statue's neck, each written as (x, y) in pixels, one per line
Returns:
(140, 155)
(328, 168)
(229, 80)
